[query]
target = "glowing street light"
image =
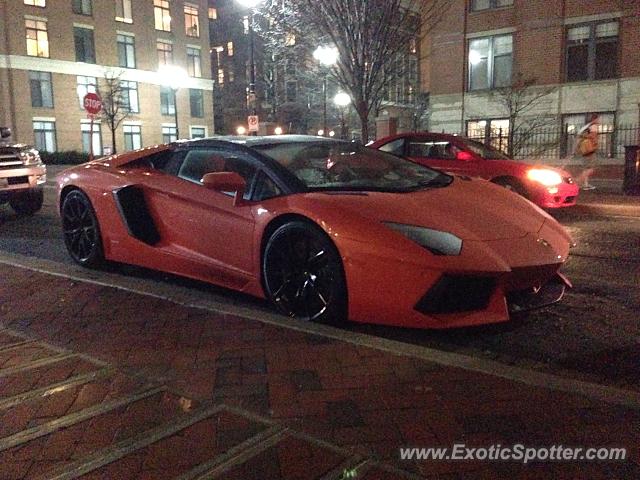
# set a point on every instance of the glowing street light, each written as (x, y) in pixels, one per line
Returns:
(278, 130)
(173, 77)
(342, 99)
(241, 130)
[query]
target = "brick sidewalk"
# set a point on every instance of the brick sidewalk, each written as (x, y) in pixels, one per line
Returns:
(299, 405)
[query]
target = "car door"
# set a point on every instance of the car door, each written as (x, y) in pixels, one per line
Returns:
(442, 154)
(206, 230)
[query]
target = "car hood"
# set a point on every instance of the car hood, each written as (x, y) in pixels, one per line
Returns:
(470, 209)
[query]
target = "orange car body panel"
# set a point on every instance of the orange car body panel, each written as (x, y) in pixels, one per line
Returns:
(386, 274)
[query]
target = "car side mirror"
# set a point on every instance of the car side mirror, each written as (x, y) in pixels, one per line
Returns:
(5, 132)
(464, 155)
(226, 182)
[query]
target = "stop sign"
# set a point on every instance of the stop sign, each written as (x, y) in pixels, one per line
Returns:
(92, 103)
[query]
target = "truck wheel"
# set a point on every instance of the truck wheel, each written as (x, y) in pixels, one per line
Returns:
(27, 203)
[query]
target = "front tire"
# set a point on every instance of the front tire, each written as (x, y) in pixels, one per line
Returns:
(27, 203)
(303, 274)
(81, 230)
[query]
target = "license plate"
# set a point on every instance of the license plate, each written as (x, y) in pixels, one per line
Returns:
(4, 183)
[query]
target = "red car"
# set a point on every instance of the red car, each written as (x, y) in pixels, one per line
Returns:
(326, 230)
(547, 187)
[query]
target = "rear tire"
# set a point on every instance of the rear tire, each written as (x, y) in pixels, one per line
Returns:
(27, 203)
(81, 230)
(303, 274)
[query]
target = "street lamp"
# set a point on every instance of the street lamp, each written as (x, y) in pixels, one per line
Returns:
(251, 5)
(173, 77)
(327, 56)
(342, 100)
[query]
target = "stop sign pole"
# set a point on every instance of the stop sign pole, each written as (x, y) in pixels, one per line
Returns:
(93, 105)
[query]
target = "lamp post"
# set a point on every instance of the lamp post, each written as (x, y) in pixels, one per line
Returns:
(327, 56)
(342, 100)
(251, 5)
(173, 77)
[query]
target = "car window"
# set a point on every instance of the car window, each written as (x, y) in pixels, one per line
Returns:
(197, 163)
(441, 150)
(395, 146)
(265, 188)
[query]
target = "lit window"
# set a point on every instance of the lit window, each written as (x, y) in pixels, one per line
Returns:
(37, 38)
(193, 62)
(132, 137)
(82, 7)
(490, 61)
(213, 13)
(123, 11)
(41, 89)
(88, 137)
(44, 136)
(592, 52)
(126, 51)
(230, 49)
(191, 24)
(162, 15)
(36, 3)
(85, 85)
(165, 53)
(289, 40)
(220, 76)
(245, 24)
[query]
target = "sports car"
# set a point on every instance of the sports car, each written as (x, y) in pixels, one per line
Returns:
(325, 229)
(547, 187)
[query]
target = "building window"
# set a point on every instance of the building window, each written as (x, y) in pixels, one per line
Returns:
(220, 76)
(41, 89)
(193, 62)
(36, 3)
(169, 134)
(213, 13)
(132, 137)
(167, 101)
(196, 100)
(37, 38)
(592, 52)
(494, 132)
(123, 11)
(191, 24)
(82, 7)
(198, 132)
(85, 47)
(230, 49)
(490, 61)
(95, 137)
(85, 85)
(44, 136)
(289, 39)
(245, 25)
(129, 95)
(477, 5)
(126, 51)
(165, 53)
(292, 91)
(162, 15)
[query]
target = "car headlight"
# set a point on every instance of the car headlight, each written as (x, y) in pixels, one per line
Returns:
(30, 157)
(548, 178)
(437, 242)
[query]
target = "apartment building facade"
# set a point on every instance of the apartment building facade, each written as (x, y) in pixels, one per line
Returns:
(585, 56)
(52, 52)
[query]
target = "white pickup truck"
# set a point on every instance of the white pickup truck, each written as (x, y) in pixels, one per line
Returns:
(22, 176)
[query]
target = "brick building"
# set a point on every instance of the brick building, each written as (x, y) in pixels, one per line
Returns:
(586, 55)
(54, 51)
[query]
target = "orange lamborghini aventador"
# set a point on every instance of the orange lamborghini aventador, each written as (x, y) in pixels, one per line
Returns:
(325, 229)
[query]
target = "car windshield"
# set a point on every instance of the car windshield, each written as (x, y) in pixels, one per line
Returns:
(333, 165)
(483, 150)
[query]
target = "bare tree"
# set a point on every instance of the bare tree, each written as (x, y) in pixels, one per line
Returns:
(115, 103)
(527, 130)
(369, 35)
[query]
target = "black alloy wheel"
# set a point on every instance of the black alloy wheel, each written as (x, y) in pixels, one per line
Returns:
(303, 274)
(81, 230)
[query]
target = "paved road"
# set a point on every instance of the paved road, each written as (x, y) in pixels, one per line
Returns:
(594, 334)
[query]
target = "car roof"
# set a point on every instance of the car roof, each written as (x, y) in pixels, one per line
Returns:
(252, 141)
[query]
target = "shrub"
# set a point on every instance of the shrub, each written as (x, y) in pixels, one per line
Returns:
(71, 157)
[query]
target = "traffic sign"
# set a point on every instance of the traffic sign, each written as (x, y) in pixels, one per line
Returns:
(92, 103)
(253, 123)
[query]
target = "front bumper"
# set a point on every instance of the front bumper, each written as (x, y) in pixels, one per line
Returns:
(19, 179)
(563, 195)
